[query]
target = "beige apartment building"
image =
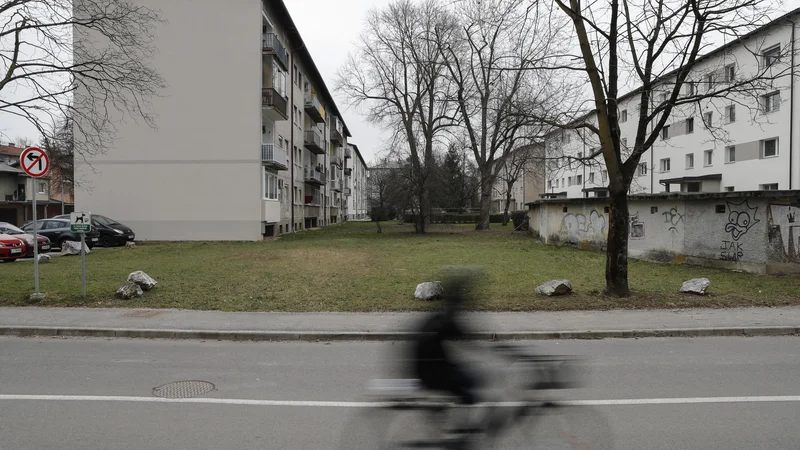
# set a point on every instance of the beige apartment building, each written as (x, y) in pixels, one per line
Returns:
(527, 185)
(225, 162)
(356, 174)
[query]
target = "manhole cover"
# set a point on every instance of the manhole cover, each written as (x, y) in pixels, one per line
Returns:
(184, 389)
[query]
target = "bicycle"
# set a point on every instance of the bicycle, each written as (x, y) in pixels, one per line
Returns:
(403, 415)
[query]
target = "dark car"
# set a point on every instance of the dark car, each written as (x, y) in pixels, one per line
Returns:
(112, 233)
(57, 230)
(27, 238)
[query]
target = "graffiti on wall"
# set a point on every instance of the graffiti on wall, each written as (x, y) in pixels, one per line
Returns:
(786, 219)
(578, 228)
(741, 217)
(637, 227)
(673, 218)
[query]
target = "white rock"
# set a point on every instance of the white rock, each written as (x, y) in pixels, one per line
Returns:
(145, 281)
(696, 286)
(129, 290)
(555, 287)
(130, 244)
(73, 248)
(44, 259)
(428, 290)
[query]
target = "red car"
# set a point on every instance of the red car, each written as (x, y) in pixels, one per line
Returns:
(11, 248)
(27, 238)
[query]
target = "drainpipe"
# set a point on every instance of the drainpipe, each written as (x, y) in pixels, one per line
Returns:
(290, 110)
(791, 111)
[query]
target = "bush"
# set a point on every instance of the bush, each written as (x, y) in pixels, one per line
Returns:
(520, 219)
(496, 218)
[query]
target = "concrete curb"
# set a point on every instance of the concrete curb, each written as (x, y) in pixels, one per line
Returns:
(233, 335)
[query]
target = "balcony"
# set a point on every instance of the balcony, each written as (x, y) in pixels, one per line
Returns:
(348, 171)
(274, 104)
(314, 199)
(313, 141)
(274, 157)
(314, 175)
(314, 108)
(337, 161)
(348, 153)
(337, 130)
(347, 191)
(271, 45)
(337, 185)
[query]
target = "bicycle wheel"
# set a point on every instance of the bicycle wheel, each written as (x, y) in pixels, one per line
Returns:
(557, 427)
(387, 429)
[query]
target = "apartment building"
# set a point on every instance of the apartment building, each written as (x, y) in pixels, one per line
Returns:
(528, 183)
(717, 145)
(355, 190)
(225, 163)
(17, 190)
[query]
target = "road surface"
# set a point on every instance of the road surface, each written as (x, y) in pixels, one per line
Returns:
(98, 394)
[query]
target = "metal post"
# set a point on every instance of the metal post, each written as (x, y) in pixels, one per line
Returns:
(62, 197)
(36, 293)
(83, 264)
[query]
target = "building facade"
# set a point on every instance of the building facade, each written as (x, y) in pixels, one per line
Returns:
(528, 183)
(356, 174)
(205, 172)
(739, 143)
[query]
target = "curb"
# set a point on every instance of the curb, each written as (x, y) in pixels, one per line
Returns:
(310, 336)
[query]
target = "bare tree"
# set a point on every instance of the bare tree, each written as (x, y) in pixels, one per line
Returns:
(520, 163)
(397, 76)
(23, 142)
(84, 59)
(59, 143)
(493, 60)
(658, 46)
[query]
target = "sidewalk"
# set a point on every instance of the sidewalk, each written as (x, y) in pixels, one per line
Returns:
(186, 324)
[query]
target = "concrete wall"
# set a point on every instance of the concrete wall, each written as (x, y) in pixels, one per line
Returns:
(751, 231)
(197, 176)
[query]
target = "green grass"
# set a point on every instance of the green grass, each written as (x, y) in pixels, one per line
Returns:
(352, 268)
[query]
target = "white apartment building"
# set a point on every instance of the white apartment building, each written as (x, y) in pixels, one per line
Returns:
(733, 144)
(356, 173)
(205, 172)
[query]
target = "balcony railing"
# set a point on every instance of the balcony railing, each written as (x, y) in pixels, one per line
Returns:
(348, 171)
(313, 107)
(348, 153)
(274, 101)
(337, 130)
(274, 156)
(314, 175)
(270, 44)
(314, 199)
(347, 191)
(313, 141)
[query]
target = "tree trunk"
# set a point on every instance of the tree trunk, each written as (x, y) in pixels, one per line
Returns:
(486, 207)
(505, 210)
(617, 251)
(420, 226)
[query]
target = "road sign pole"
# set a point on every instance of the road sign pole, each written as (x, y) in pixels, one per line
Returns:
(83, 264)
(36, 293)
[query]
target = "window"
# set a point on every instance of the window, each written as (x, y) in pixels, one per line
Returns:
(642, 169)
(690, 160)
(270, 185)
(729, 188)
(691, 88)
(42, 187)
(730, 73)
(771, 55)
(692, 187)
(708, 80)
(708, 117)
(665, 132)
(664, 164)
(771, 102)
(730, 114)
(662, 97)
(591, 177)
(579, 179)
(690, 125)
(604, 175)
(623, 116)
(549, 184)
(768, 187)
(730, 154)
(708, 157)
(769, 148)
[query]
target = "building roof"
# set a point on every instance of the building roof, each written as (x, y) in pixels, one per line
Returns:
(355, 148)
(11, 150)
(715, 177)
(5, 168)
(294, 34)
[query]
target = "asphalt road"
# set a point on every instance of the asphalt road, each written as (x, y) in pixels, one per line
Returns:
(98, 394)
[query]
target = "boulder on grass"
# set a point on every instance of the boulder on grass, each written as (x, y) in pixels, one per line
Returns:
(44, 259)
(429, 290)
(696, 286)
(145, 281)
(129, 290)
(130, 244)
(73, 248)
(555, 287)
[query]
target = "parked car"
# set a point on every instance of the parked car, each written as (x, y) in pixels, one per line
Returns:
(57, 230)
(13, 230)
(112, 233)
(11, 248)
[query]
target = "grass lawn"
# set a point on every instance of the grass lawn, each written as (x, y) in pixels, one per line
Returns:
(352, 268)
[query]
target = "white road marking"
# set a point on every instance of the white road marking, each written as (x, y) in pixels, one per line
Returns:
(331, 404)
